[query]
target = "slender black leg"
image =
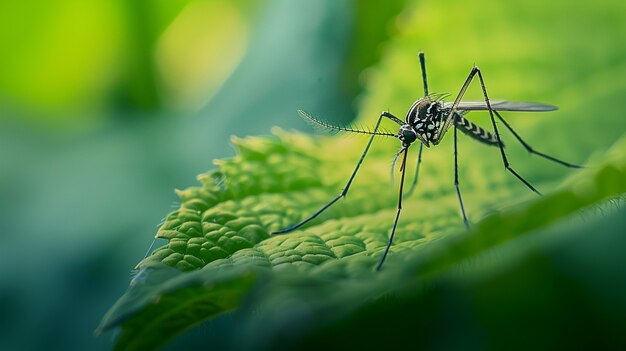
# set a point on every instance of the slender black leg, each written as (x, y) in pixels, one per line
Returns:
(450, 118)
(508, 167)
(347, 187)
(395, 222)
(423, 67)
(456, 179)
(417, 171)
(533, 151)
(495, 128)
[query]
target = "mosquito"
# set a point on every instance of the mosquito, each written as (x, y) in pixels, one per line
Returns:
(427, 121)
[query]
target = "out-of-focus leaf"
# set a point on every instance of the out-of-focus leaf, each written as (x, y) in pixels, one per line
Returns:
(168, 300)
(373, 26)
(561, 288)
(80, 60)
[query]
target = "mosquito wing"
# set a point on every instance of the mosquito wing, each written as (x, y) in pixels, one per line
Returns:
(501, 105)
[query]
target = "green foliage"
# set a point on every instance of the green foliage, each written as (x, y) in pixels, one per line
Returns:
(319, 282)
(220, 234)
(219, 242)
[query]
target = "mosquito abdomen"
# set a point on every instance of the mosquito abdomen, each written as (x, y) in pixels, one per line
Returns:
(475, 131)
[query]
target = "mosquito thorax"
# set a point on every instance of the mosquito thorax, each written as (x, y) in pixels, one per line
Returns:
(425, 116)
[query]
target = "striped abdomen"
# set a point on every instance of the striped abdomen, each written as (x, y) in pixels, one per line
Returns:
(473, 130)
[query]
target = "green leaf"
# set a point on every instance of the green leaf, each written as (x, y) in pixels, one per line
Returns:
(165, 300)
(220, 239)
(303, 283)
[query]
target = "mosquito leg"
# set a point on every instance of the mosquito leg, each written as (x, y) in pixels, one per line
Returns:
(423, 67)
(450, 118)
(444, 126)
(456, 179)
(395, 222)
(533, 151)
(417, 171)
(347, 187)
(495, 128)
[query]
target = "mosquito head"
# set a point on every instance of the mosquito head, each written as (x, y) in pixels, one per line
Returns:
(407, 135)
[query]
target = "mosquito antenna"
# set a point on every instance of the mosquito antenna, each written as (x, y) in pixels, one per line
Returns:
(423, 66)
(340, 128)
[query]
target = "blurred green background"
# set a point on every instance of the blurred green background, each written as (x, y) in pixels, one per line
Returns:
(107, 106)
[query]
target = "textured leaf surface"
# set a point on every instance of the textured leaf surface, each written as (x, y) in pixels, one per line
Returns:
(219, 251)
(230, 245)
